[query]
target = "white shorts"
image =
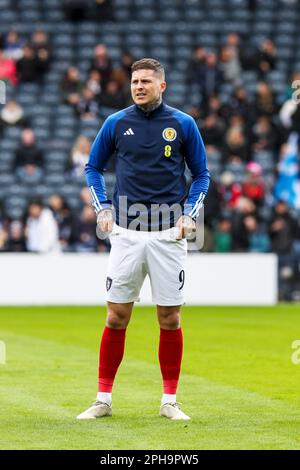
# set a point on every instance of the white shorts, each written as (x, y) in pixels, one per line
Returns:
(135, 254)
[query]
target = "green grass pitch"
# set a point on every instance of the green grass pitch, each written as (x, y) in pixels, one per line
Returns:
(238, 382)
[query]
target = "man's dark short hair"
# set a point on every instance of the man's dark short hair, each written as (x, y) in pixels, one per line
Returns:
(149, 64)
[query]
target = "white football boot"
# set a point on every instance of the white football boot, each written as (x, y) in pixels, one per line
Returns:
(97, 410)
(172, 411)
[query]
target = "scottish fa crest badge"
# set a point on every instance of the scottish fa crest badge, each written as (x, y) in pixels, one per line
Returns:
(169, 134)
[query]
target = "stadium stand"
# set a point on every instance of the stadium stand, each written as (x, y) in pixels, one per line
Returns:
(229, 64)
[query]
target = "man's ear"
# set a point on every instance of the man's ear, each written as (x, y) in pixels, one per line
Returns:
(163, 86)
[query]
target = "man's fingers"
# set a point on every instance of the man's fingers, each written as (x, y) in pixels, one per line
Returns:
(105, 221)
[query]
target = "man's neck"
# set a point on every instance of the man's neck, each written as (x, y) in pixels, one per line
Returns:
(147, 108)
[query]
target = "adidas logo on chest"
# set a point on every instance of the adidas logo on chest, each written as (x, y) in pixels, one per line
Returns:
(129, 132)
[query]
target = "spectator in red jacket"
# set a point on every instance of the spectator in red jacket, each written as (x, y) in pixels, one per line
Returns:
(253, 186)
(8, 71)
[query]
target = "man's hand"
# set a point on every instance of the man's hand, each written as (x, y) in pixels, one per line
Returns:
(186, 227)
(105, 221)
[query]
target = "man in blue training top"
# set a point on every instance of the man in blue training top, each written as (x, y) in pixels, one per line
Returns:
(152, 142)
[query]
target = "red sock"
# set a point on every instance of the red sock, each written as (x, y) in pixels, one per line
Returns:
(170, 355)
(110, 357)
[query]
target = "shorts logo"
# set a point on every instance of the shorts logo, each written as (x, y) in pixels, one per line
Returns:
(108, 283)
(169, 134)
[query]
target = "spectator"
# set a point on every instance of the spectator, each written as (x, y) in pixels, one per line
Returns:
(222, 236)
(213, 131)
(29, 158)
(235, 145)
(87, 107)
(28, 66)
(212, 203)
(76, 10)
(80, 155)
(94, 83)
(16, 242)
(265, 104)
(266, 57)
(112, 97)
(253, 187)
(127, 60)
(104, 10)
(215, 106)
(64, 219)
(102, 63)
(12, 114)
(85, 197)
(120, 76)
(211, 79)
(263, 136)
(244, 208)
(258, 239)
(240, 105)
(8, 72)
(230, 190)
(283, 229)
(41, 229)
(84, 233)
(230, 66)
(71, 86)
(196, 66)
(3, 230)
(42, 50)
(13, 46)
(287, 185)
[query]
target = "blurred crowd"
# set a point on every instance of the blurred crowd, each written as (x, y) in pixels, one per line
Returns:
(253, 203)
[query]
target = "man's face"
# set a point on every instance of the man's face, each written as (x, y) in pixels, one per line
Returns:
(146, 86)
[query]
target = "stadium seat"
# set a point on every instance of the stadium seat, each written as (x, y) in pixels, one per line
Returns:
(7, 179)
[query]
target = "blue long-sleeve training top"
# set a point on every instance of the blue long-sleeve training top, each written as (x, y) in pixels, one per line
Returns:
(151, 150)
